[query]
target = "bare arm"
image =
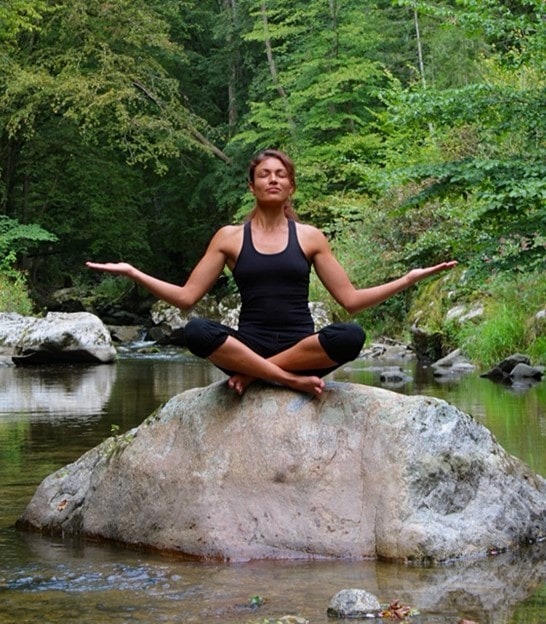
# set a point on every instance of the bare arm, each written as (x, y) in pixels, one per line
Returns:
(201, 280)
(335, 279)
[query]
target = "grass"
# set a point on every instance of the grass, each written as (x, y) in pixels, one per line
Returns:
(14, 295)
(508, 325)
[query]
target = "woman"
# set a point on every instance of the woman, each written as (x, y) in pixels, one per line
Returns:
(271, 256)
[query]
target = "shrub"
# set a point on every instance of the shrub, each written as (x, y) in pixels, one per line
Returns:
(14, 295)
(512, 301)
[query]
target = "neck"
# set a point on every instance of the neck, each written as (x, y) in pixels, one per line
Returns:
(269, 219)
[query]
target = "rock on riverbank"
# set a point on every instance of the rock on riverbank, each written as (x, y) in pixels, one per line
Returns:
(59, 337)
(359, 472)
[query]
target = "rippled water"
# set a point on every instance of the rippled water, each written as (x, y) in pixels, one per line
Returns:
(50, 416)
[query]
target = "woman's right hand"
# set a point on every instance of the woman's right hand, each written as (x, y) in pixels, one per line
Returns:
(116, 268)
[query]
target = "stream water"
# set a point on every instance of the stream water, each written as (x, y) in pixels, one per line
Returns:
(49, 416)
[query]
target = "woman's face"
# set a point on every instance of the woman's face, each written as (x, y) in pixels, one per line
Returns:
(272, 183)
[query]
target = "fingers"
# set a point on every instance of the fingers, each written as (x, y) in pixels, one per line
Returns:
(119, 268)
(443, 266)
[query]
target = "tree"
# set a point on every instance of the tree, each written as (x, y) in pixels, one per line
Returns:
(315, 94)
(479, 174)
(88, 108)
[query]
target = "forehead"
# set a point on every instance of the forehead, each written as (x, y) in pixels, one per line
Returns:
(270, 164)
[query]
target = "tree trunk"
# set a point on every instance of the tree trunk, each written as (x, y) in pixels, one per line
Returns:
(333, 16)
(273, 67)
(230, 7)
(419, 49)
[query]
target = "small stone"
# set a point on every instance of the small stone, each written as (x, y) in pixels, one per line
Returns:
(354, 603)
(525, 371)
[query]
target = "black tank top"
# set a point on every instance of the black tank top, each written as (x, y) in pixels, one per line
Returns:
(274, 287)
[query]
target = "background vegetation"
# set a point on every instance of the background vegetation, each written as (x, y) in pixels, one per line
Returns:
(417, 127)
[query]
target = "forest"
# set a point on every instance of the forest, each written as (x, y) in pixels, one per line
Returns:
(417, 128)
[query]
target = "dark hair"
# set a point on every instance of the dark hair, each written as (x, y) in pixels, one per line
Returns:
(288, 165)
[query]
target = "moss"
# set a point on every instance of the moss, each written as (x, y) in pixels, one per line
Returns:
(115, 445)
(430, 303)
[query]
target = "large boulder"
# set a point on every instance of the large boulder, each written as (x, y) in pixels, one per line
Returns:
(359, 472)
(12, 325)
(59, 337)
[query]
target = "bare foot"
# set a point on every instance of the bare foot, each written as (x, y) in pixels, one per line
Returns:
(311, 385)
(240, 382)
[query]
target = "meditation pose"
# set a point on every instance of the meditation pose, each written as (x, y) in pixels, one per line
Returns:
(271, 256)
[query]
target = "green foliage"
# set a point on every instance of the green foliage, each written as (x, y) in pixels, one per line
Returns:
(110, 289)
(408, 150)
(477, 166)
(315, 96)
(20, 16)
(495, 338)
(369, 253)
(99, 66)
(511, 302)
(98, 145)
(14, 296)
(17, 238)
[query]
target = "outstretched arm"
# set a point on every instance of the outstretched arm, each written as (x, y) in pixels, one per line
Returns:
(198, 284)
(334, 277)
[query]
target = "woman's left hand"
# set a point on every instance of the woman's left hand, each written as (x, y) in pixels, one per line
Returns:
(416, 275)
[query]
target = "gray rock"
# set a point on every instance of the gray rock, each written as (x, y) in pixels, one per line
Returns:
(509, 363)
(12, 325)
(320, 314)
(515, 370)
(388, 349)
(393, 375)
(66, 300)
(464, 313)
(125, 334)
(359, 472)
(524, 371)
(428, 345)
(354, 603)
(59, 337)
(495, 374)
(454, 364)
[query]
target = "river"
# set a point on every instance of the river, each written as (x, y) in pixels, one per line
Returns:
(49, 416)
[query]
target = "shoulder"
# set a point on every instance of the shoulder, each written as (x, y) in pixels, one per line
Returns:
(227, 233)
(311, 239)
(229, 230)
(309, 232)
(227, 240)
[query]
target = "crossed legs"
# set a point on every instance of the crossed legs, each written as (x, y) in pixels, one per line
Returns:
(300, 366)
(281, 368)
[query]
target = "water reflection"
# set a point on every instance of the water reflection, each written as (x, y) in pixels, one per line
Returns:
(49, 417)
(151, 589)
(55, 391)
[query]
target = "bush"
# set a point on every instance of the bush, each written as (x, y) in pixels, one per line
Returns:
(500, 335)
(512, 301)
(14, 295)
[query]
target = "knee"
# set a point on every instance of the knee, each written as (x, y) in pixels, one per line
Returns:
(342, 341)
(203, 336)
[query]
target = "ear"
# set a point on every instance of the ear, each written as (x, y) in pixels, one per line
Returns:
(251, 187)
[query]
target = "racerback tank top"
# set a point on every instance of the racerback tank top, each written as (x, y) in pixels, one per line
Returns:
(274, 287)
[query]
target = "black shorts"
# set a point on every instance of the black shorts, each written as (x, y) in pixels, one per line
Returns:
(341, 342)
